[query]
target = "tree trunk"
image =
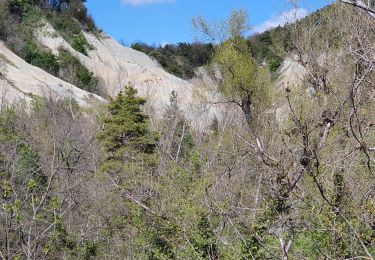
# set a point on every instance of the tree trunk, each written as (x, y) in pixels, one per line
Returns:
(246, 109)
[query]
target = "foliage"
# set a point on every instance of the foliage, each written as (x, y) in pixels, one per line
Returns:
(130, 158)
(67, 26)
(72, 9)
(20, 6)
(264, 50)
(177, 131)
(126, 130)
(72, 70)
(30, 197)
(237, 25)
(204, 240)
(80, 44)
(243, 81)
(298, 186)
(243, 77)
(180, 59)
(45, 60)
(79, 11)
(86, 79)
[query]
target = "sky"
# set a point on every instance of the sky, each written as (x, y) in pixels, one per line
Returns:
(162, 22)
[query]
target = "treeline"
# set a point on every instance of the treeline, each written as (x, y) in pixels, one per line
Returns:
(265, 49)
(75, 8)
(179, 59)
(183, 58)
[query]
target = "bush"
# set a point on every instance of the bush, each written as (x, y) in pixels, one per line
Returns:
(143, 47)
(42, 59)
(86, 79)
(80, 44)
(275, 63)
(79, 11)
(19, 6)
(30, 21)
(71, 30)
(72, 70)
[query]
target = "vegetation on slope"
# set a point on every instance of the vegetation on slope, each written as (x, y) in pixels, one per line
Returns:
(183, 58)
(72, 70)
(69, 18)
(180, 59)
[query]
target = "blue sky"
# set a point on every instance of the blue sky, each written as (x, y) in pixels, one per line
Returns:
(169, 21)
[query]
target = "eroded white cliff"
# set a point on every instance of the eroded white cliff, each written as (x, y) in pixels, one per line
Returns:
(20, 80)
(117, 65)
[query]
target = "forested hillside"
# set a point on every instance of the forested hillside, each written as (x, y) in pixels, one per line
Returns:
(284, 171)
(181, 59)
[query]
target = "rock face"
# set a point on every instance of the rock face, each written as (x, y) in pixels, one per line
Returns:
(20, 80)
(291, 74)
(117, 65)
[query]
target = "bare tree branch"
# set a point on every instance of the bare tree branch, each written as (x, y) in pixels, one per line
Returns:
(361, 5)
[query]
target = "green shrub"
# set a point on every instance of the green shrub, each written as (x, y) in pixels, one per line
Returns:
(71, 30)
(80, 44)
(86, 79)
(72, 70)
(78, 10)
(65, 24)
(42, 59)
(274, 64)
(30, 21)
(179, 59)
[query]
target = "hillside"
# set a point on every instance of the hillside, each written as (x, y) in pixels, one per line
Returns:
(81, 55)
(115, 66)
(20, 80)
(67, 45)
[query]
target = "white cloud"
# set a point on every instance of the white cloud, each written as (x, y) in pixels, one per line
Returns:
(145, 2)
(282, 19)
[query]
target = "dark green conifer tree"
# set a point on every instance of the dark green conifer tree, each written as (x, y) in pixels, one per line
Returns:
(126, 136)
(131, 162)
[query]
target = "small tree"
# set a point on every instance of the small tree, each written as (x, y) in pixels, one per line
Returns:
(130, 164)
(126, 135)
(177, 140)
(244, 82)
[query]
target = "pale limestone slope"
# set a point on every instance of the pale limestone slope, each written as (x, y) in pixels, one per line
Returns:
(117, 65)
(20, 80)
(291, 75)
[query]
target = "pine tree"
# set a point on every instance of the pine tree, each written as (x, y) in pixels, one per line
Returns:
(126, 137)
